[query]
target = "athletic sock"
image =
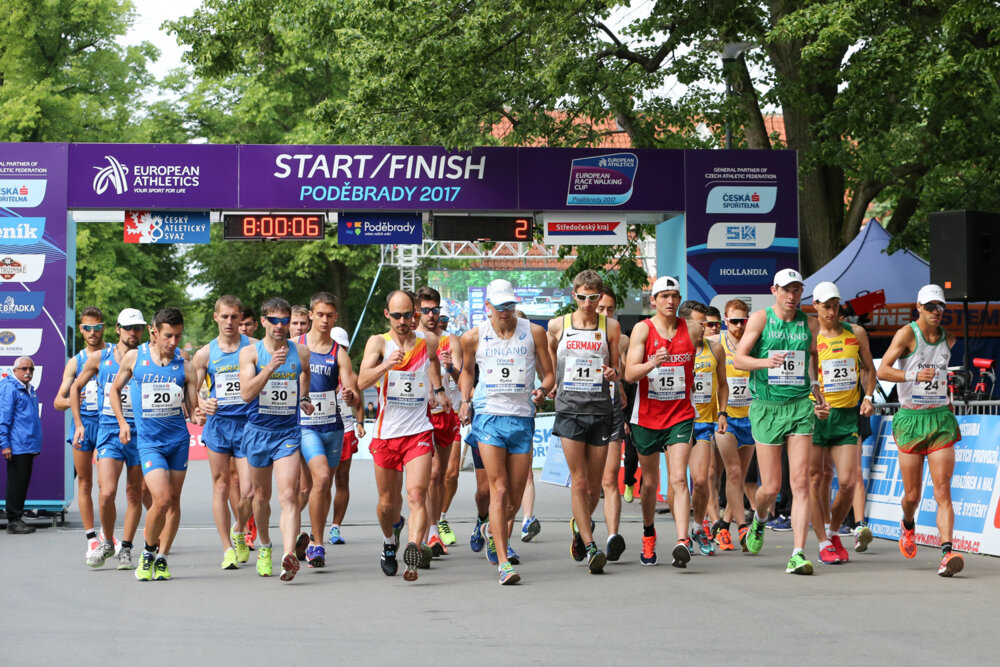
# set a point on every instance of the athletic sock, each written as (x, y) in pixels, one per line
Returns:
(946, 548)
(151, 548)
(824, 544)
(434, 530)
(909, 525)
(830, 533)
(648, 531)
(483, 518)
(443, 517)
(126, 544)
(798, 551)
(391, 540)
(92, 534)
(758, 519)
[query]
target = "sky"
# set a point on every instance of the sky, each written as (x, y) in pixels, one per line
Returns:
(150, 14)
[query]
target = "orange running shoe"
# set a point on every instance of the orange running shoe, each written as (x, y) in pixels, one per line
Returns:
(951, 564)
(437, 546)
(251, 533)
(744, 529)
(648, 555)
(907, 541)
(725, 540)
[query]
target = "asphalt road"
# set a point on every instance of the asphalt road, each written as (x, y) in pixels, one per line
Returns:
(724, 609)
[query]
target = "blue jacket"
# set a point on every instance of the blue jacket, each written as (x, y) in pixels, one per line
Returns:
(20, 426)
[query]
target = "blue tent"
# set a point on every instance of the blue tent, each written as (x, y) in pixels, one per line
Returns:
(864, 266)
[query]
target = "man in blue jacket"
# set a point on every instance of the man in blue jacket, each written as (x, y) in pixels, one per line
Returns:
(20, 439)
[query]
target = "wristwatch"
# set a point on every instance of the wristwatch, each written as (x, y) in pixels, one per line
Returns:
(723, 413)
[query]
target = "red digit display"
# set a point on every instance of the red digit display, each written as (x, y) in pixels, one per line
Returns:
(274, 226)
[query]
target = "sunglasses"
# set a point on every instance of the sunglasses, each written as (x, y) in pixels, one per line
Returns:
(506, 308)
(711, 324)
(26, 369)
(444, 320)
(277, 320)
(92, 327)
(428, 311)
(933, 307)
(132, 327)
(586, 297)
(737, 320)
(407, 315)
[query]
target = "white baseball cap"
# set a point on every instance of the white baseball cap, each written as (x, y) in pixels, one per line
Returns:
(129, 317)
(786, 277)
(825, 291)
(340, 337)
(666, 284)
(445, 310)
(499, 292)
(929, 293)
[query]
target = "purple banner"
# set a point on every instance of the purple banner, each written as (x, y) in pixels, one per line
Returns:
(406, 178)
(33, 293)
(153, 176)
(742, 222)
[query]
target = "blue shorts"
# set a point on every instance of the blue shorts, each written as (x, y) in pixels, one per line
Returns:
(91, 432)
(704, 431)
(263, 446)
(109, 446)
(740, 427)
(515, 434)
(164, 455)
(322, 443)
(224, 435)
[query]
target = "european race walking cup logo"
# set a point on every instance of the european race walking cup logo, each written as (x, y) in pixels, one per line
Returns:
(113, 174)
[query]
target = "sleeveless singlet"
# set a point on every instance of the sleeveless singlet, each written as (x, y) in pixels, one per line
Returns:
(450, 386)
(580, 358)
(105, 378)
(839, 367)
(924, 395)
(703, 392)
(277, 405)
(403, 392)
(789, 381)
(90, 395)
(506, 370)
(663, 398)
(224, 380)
(739, 384)
(324, 377)
(157, 398)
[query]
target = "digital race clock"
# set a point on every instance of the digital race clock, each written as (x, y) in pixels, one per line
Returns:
(483, 227)
(275, 226)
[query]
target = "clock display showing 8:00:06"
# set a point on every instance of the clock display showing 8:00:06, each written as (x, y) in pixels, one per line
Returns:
(276, 226)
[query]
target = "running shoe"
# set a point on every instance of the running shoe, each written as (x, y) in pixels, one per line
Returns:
(629, 494)
(845, 530)
(841, 551)
(951, 564)
(798, 564)
(616, 547)
(717, 526)
(104, 551)
(907, 541)
(397, 527)
(596, 561)
(705, 543)
(334, 536)
(264, 562)
(476, 540)
(530, 528)
(780, 524)
(648, 555)
(316, 556)
(707, 527)
(229, 560)
(681, 553)
(145, 569)
(412, 557)
(755, 537)
(507, 574)
(389, 564)
(125, 559)
(743, 530)
(160, 570)
(437, 546)
(512, 555)
(426, 556)
(725, 540)
(491, 547)
(301, 542)
(289, 567)
(251, 532)
(862, 537)
(828, 555)
(240, 543)
(577, 548)
(447, 535)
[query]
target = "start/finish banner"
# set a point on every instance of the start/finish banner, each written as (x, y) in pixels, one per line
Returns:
(974, 487)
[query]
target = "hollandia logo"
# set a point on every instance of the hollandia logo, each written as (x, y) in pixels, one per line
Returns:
(21, 231)
(24, 193)
(21, 268)
(113, 174)
(21, 305)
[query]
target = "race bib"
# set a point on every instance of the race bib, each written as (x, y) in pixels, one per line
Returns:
(89, 395)
(227, 388)
(161, 399)
(325, 409)
(346, 414)
(583, 374)
(792, 371)
(702, 391)
(407, 389)
(933, 392)
(126, 401)
(279, 397)
(839, 375)
(504, 374)
(739, 391)
(666, 383)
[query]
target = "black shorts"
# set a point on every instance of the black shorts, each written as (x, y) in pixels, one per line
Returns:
(864, 426)
(617, 425)
(592, 429)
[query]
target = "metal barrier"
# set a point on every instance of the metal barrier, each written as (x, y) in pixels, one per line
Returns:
(961, 408)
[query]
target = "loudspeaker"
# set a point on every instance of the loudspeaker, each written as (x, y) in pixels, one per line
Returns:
(965, 254)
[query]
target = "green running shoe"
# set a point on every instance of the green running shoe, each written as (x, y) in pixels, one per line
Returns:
(798, 564)
(447, 536)
(160, 571)
(629, 494)
(229, 560)
(145, 570)
(264, 562)
(755, 537)
(240, 542)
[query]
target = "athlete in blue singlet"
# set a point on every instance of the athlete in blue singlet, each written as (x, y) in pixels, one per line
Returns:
(161, 385)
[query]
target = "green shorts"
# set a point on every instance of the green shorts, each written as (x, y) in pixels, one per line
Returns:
(649, 441)
(925, 431)
(840, 428)
(771, 422)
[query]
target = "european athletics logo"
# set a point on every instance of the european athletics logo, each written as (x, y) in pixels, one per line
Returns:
(113, 174)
